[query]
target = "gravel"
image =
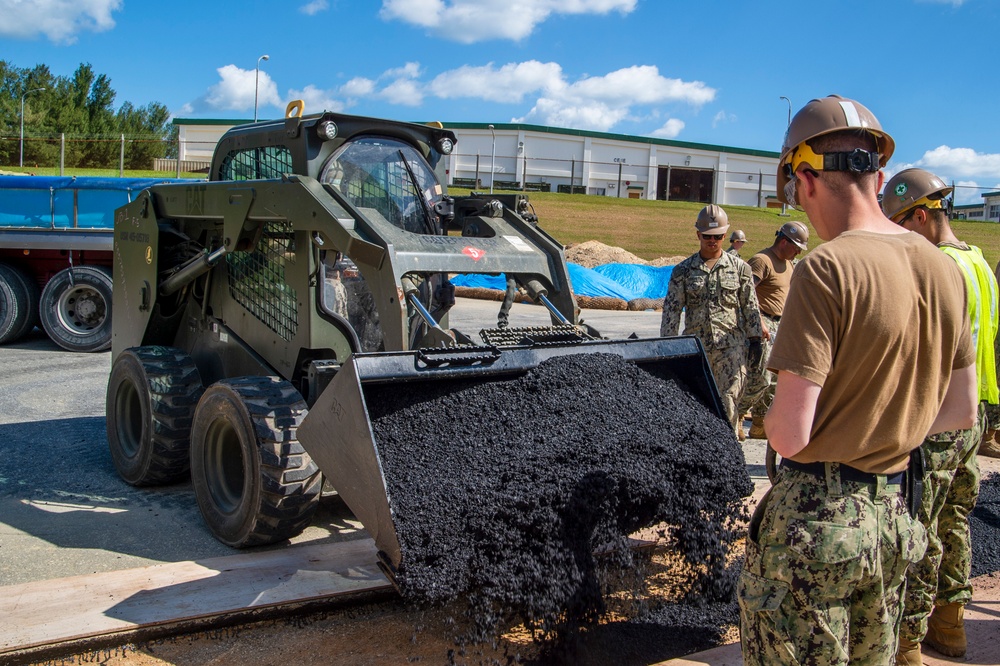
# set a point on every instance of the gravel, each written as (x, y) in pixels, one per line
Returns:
(985, 524)
(502, 508)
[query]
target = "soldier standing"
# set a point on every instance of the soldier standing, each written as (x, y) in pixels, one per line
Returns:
(990, 446)
(772, 273)
(737, 240)
(714, 289)
(938, 587)
(874, 353)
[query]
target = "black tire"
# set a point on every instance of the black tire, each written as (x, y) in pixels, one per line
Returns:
(771, 463)
(254, 482)
(76, 308)
(18, 304)
(151, 398)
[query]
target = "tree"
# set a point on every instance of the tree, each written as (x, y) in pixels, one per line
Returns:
(81, 107)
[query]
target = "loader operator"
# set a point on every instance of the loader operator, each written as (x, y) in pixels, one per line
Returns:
(737, 240)
(938, 587)
(874, 353)
(715, 291)
(772, 273)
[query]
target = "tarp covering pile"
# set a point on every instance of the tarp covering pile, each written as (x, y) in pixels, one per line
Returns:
(61, 202)
(626, 282)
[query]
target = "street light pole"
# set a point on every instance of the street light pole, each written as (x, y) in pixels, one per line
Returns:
(256, 84)
(21, 162)
(493, 160)
(784, 209)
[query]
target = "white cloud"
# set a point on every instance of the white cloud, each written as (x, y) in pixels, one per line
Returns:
(961, 162)
(235, 90)
(58, 20)
(600, 102)
(314, 7)
(358, 87)
(590, 115)
(593, 102)
(963, 166)
(403, 91)
(670, 129)
(316, 100)
(723, 117)
(953, 3)
(470, 21)
(971, 192)
(508, 84)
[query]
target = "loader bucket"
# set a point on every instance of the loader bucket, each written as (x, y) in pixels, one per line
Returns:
(338, 431)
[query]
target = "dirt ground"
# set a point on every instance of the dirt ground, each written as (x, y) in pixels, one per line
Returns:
(389, 632)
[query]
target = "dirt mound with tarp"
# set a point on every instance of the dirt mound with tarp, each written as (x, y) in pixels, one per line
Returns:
(603, 277)
(591, 254)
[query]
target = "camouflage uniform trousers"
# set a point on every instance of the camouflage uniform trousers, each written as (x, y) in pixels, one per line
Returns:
(759, 392)
(825, 569)
(951, 487)
(729, 367)
(993, 415)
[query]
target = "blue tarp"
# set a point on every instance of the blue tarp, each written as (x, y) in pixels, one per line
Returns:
(645, 281)
(48, 201)
(624, 281)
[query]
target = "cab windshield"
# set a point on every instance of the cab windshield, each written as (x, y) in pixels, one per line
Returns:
(388, 176)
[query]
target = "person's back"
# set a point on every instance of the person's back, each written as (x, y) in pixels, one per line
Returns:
(874, 353)
(938, 588)
(884, 306)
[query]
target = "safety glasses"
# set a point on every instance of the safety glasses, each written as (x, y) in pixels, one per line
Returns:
(713, 237)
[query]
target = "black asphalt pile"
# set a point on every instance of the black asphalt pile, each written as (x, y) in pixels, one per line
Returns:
(503, 490)
(984, 521)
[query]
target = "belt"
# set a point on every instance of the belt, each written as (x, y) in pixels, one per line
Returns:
(847, 473)
(774, 317)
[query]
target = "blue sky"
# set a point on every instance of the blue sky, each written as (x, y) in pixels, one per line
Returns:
(709, 71)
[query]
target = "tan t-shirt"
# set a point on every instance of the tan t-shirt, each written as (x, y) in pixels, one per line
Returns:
(879, 322)
(773, 276)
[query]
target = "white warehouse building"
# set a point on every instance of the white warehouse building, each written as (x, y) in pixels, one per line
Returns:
(518, 156)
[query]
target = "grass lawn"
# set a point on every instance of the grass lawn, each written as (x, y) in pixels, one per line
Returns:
(649, 229)
(652, 229)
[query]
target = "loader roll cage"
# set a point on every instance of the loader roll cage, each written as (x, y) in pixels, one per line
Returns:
(389, 176)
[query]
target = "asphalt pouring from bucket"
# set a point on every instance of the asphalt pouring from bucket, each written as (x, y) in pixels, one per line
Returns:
(503, 491)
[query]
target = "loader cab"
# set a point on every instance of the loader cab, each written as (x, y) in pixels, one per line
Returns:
(387, 176)
(303, 145)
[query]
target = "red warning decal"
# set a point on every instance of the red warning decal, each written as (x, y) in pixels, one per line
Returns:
(474, 252)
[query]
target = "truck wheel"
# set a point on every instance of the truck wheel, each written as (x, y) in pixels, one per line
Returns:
(151, 398)
(18, 303)
(76, 308)
(254, 482)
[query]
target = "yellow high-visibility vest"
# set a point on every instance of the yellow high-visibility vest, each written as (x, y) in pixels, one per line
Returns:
(981, 285)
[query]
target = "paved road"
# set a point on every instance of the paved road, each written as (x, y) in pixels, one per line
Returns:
(63, 509)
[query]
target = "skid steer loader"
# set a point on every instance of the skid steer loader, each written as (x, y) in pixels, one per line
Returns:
(311, 268)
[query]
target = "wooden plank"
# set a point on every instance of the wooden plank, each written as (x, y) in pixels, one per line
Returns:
(78, 608)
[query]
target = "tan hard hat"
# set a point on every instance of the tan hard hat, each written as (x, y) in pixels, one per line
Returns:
(910, 188)
(825, 116)
(712, 220)
(738, 235)
(795, 232)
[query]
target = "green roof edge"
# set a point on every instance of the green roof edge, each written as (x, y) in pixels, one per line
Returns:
(545, 130)
(620, 137)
